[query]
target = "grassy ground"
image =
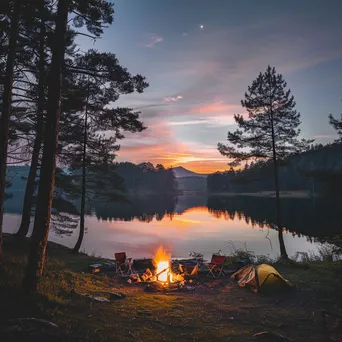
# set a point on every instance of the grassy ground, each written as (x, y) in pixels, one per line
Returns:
(217, 310)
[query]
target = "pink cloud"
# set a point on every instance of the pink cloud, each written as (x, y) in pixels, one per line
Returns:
(151, 39)
(173, 99)
(215, 107)
(158, 144)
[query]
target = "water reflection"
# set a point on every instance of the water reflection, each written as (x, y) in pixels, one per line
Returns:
(320, 218)
(202, 224)
(143, 209)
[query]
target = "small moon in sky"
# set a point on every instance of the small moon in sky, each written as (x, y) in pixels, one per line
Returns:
(201, 26)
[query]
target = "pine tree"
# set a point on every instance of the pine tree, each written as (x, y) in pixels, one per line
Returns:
(100, 80)
(21, 121)
(92, 14)
(6, 107)
(38, 123)
(269, 133)
(47, 174)
(37, 92)
(337, 124)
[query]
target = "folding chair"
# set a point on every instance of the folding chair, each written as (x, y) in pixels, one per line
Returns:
(215, 266)
(120, 262)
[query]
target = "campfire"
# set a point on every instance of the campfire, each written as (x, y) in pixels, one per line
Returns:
(163, 274)
(162, 262)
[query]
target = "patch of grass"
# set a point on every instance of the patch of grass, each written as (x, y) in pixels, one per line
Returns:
(216, 311)
(325, 253)
(321, 279)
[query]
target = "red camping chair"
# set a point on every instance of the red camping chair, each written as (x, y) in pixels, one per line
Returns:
(120, 262)
(215, 266)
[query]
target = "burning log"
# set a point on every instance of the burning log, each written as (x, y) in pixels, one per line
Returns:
(168, 276)
(158, 274)
(147, 275)
(162, 262)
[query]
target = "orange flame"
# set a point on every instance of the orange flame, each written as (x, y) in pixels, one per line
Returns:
(161, 260)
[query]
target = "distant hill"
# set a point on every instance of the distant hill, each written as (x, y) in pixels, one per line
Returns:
(180, 172)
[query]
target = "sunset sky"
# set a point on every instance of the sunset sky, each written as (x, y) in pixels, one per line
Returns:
(199, 57)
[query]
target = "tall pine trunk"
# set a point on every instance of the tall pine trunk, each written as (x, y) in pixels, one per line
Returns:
(47, 173)
(283, 252)
(30, 185)
(83, 195)
(6, 109)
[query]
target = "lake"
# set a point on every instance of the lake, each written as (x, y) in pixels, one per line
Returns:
(198, 223)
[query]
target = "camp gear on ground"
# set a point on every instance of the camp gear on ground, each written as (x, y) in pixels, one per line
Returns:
(260, 277)
(129, 263)
(108, 265)
(215, 266)
(95, 268)
(143, 263)
(188, 267)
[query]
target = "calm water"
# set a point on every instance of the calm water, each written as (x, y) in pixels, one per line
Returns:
(200, 224)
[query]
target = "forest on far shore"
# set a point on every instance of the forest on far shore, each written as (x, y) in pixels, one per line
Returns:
(318, 170)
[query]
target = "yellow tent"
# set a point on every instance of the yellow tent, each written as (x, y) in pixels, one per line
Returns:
(261, 277)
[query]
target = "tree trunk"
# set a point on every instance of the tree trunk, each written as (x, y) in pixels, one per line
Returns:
(83, 195)
(29, 192)
(6, 109)
(283, 252)
(30, 186)
(47, 173)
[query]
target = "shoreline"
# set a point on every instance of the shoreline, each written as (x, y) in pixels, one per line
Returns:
(267, 194)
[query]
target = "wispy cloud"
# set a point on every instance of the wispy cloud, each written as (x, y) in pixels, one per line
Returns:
(173, 99)
(325, 136)
(151, 39)
(185, 123)
(151, 105)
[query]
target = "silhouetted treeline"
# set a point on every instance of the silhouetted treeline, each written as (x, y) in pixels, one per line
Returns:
(147, 178)
(318, 170)
(137, 178)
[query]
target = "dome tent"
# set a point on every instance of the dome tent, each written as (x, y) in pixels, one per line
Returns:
(261, 277)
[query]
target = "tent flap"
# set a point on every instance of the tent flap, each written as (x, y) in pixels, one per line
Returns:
(260, 277)
(245, 276)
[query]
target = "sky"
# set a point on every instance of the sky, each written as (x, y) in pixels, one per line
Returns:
(200, 56)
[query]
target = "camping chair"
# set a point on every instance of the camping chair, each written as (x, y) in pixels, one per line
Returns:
(120, 262)
(215, 266)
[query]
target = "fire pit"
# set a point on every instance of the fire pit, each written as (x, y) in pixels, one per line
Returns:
(162, 263)
(165, 279)
(165, 275)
